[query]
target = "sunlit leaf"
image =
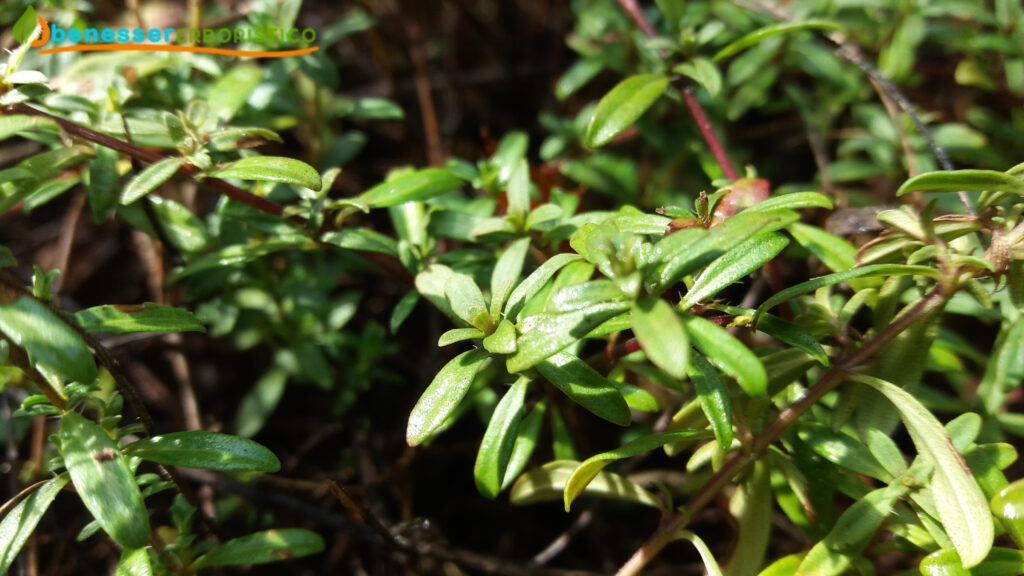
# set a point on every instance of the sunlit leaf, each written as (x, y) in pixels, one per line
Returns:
(207, 450)
(728, 354)
(586, 387)
(148, 317)
(622, 106)
(19, 523)
(272, 169)
(499, 440)
(419, 185)
(962, 508)
(262, 548)
(443, 395)
(548, 483)
(590, 467)
(102, 479)
(661, 335)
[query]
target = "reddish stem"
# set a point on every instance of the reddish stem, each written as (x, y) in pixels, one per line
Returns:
(708, 132)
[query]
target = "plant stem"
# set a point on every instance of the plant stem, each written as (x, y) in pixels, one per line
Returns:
(707, 131)
(764, 439)
(226, 188)
(391, 265)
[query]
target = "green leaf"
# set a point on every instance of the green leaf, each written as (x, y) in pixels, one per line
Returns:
(518, 192)
(549, 481)
(499, 439)
(710, 564)
(545, 334)
(419, 185)
(467, 301)
(7, 257)
(443, 395)
(577, 76)
(148, 317)
(259, 403)
(272, 169)
(262, 548)
(686, 251)
(830, 279)
(622, 106)
(53, 347)
(11, 124)
(661, 334)
(713, 398)
(134, 562)
(793, 201)
(363, 239)
(402, 310)
(590, 467)
(103, 480)
(526, 441)
(962, 508)
(853, 531)
(793, 335)
(149, 179)
(506, 274)
(842, 450)
(728, 354)
(459, 335)
(238, 254)
(25, 25)
(757, 36)
(206, 450)
(19, 523)
(732, 266)
(503, 340)
(230, 93)
(584, 295)
(957, 180)
(533, 283)
(584, 386)
(999, 562)
(1008, 507)
(836, 253)
(704, 72)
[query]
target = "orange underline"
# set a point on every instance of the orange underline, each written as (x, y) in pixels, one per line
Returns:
(172, 48)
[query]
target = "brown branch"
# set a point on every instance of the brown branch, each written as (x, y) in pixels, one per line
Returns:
(764, 439)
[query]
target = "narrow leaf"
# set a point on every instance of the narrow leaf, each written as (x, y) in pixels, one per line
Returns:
(589, 468)
(710, 564)
(52, 346)
(499, 439)
(758, 36)
(419, 185)
(443, 395)
(506, 274)
(102, 479)
(545, 334)
(272, 169)
(262, 548)
(622, 106)
(962, 508)
(728, 354)
(149, 179)
(134, 562)
(549, 481)
(21, 521)
(830, 279)
(148, 317)
(732, 266)
(586, 387)
(526, 442)
(661, 334)
(714, 400)
(957, 180)
(207, 450)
